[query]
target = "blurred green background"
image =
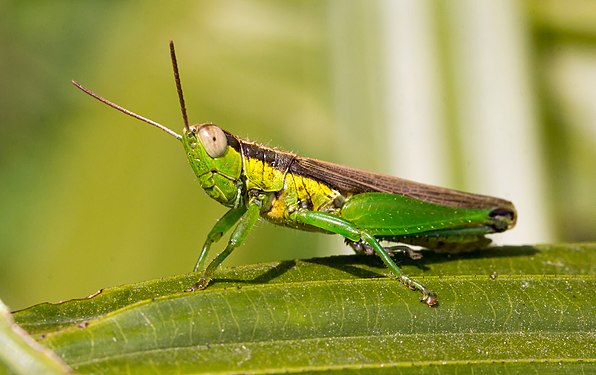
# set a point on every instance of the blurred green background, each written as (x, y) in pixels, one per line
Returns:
(495, 97)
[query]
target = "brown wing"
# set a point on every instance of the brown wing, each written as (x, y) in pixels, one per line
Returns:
(352, 180)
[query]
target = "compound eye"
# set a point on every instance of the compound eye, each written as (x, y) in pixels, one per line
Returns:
(213, 139)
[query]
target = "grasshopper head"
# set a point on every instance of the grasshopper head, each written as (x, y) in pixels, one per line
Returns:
(214, 156)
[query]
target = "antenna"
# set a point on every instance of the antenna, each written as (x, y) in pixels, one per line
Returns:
(125, 111)
(179, 85)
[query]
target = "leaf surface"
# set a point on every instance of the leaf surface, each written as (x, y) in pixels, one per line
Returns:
(518, 308)
(20, 354)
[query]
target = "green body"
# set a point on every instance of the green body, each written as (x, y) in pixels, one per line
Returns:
(307, 194)
(363, 207)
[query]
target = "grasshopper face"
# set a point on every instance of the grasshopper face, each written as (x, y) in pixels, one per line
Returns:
(215, 157)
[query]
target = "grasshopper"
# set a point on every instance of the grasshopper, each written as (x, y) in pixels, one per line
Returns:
(308, 194)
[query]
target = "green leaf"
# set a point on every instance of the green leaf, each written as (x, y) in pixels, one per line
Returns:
(502, 309)
(20, 354)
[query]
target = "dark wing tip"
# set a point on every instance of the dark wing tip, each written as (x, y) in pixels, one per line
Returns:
(505, 218)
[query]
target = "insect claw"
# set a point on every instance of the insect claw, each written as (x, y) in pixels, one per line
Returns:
(429, 297)
(360, 247)
(406, 250)
(200, 285)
